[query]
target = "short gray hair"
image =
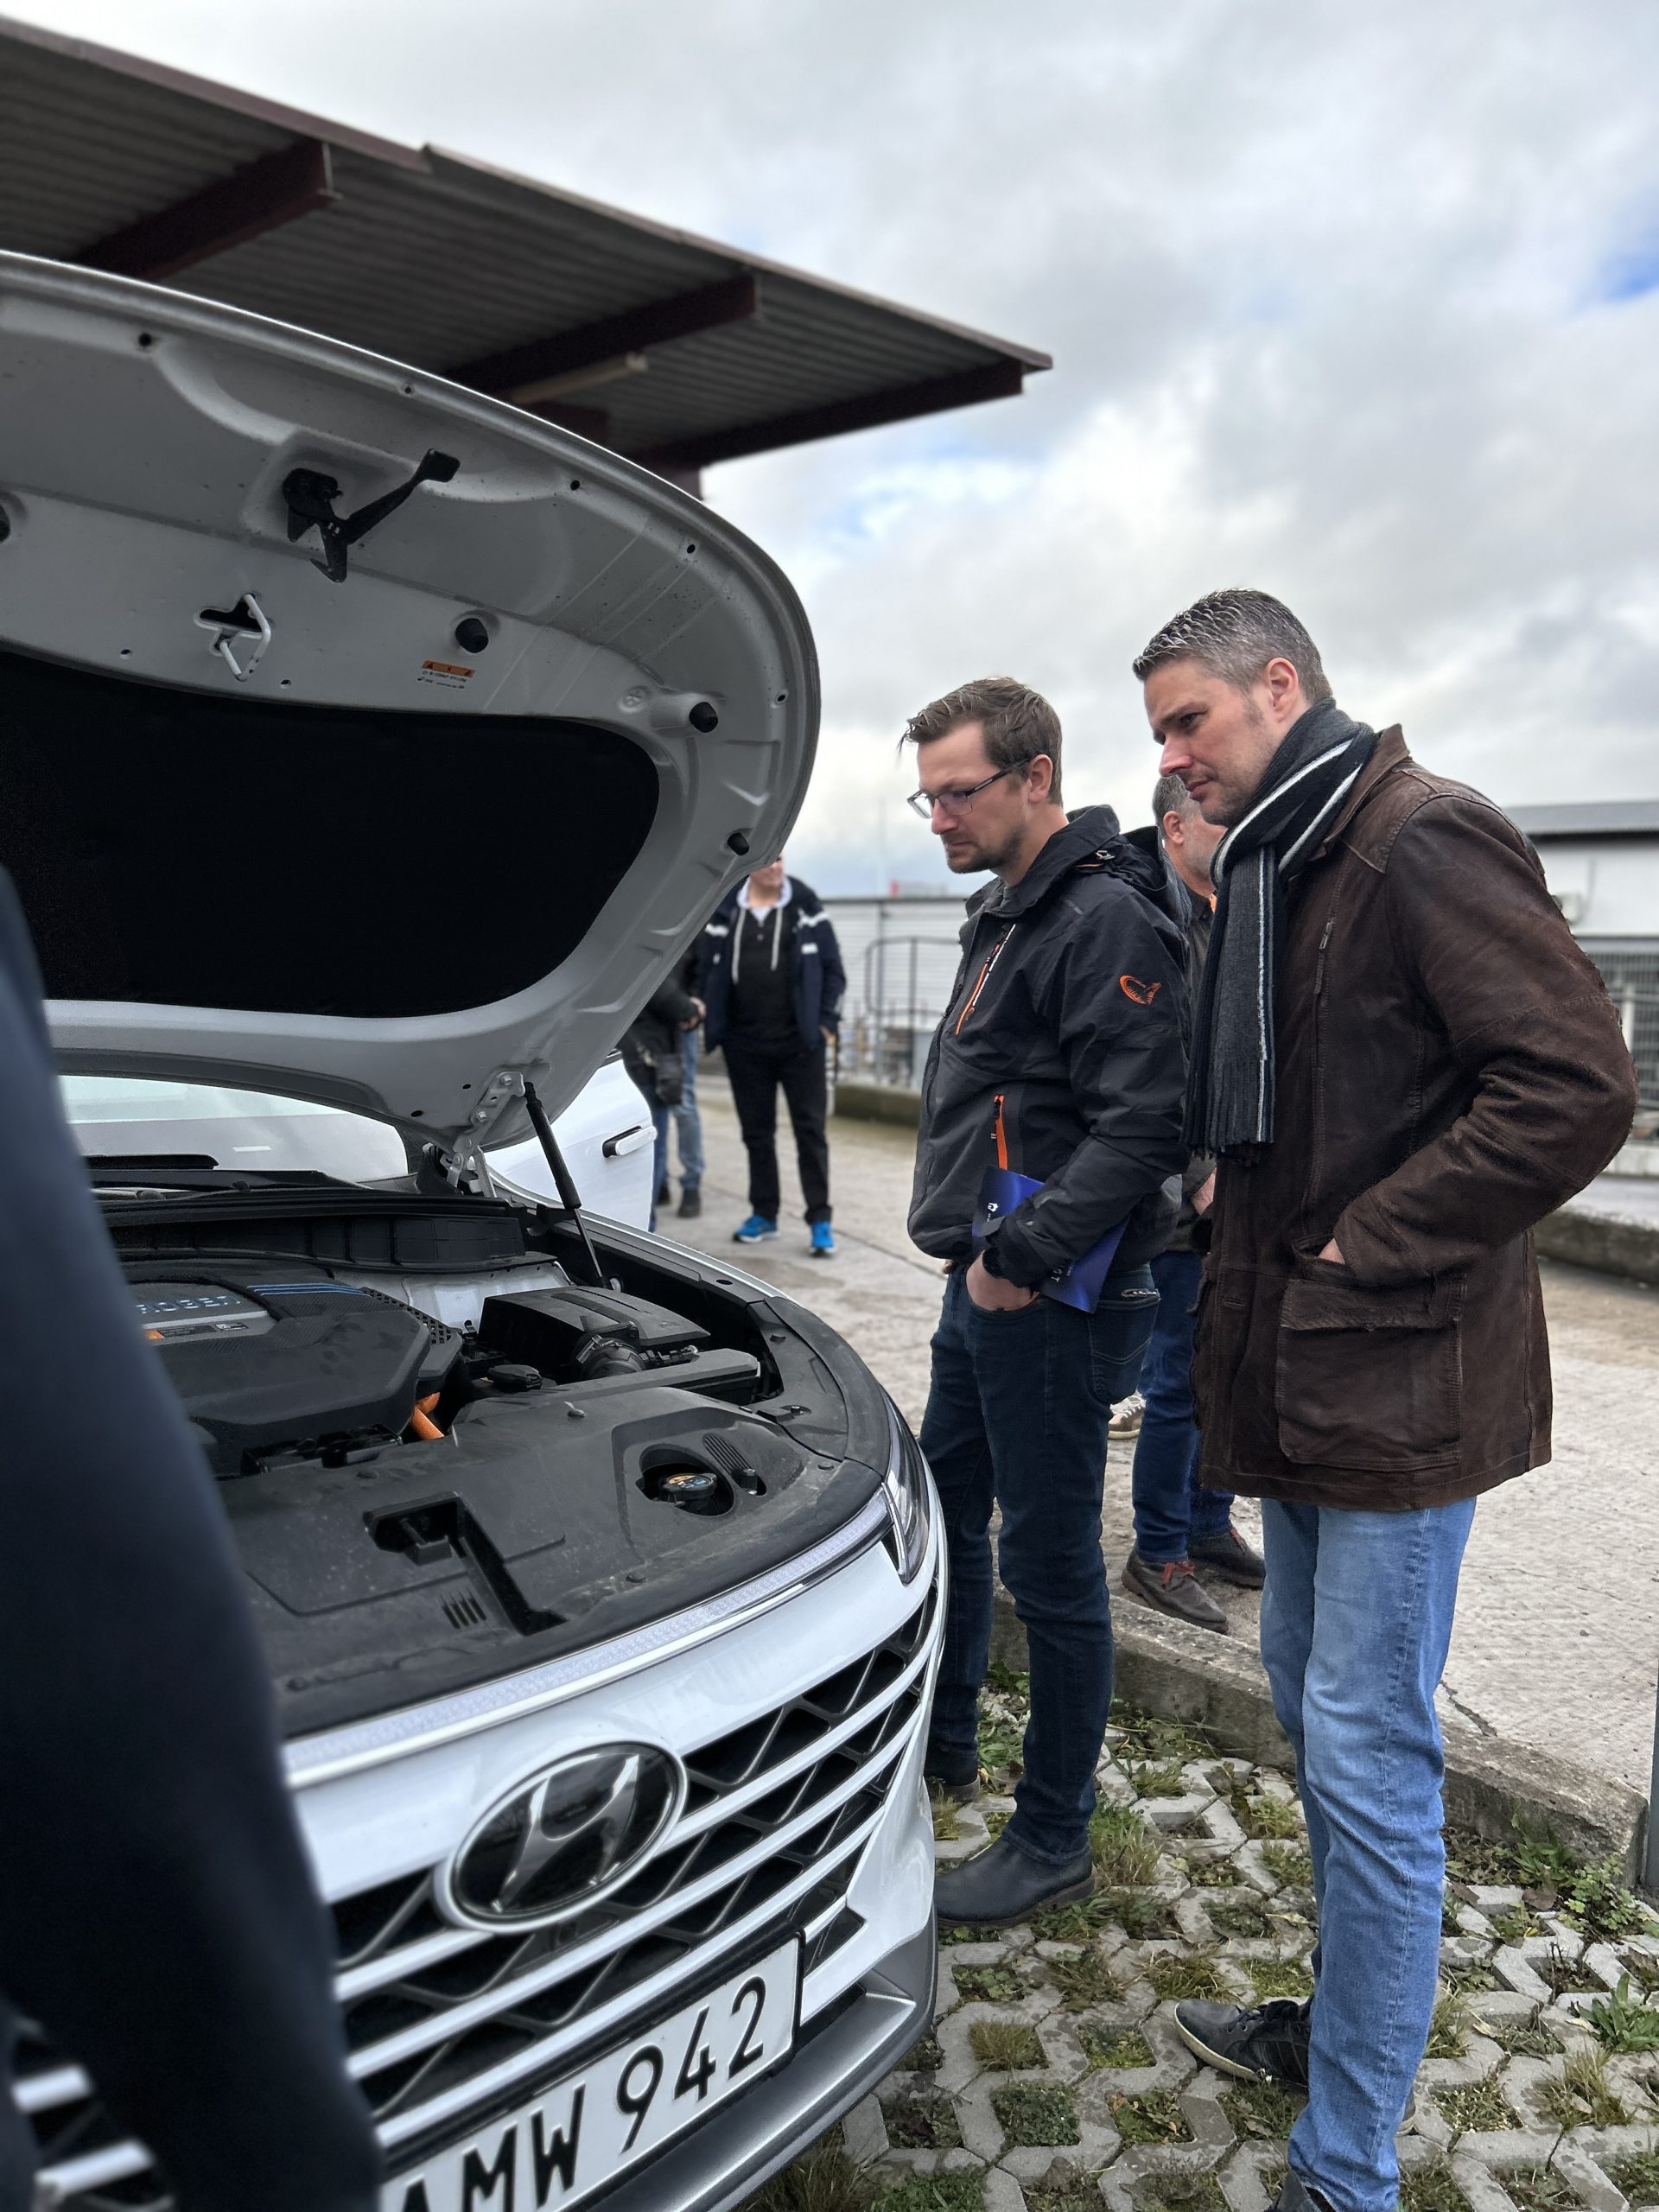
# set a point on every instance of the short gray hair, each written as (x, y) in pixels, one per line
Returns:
(1234, 634)
(1171, 796)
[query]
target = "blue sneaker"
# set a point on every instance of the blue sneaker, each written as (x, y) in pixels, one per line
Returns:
(754, 1230)
(823, 1241)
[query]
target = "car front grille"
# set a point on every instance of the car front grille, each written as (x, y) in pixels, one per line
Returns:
(442, 2021)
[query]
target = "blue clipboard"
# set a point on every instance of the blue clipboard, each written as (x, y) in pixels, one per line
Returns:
(1080, 1284)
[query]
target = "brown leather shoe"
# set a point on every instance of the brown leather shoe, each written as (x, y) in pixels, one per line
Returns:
(1173, 1588)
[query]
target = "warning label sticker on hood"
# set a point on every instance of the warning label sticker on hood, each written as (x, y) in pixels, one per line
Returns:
(449, 673)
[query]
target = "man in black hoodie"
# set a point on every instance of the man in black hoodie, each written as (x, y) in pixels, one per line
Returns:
(1062, 1057)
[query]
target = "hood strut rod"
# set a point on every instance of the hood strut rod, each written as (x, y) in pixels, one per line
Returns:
(563, 1181)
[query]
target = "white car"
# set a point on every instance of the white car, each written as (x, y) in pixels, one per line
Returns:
(370, 752)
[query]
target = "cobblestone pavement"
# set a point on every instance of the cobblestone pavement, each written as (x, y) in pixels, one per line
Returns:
(1557, 1638)
(1055, 2082)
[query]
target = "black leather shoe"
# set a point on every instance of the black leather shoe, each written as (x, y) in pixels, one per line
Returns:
(690, 1206)
(948, 1778)
(1295, 2195)
(1267, 2042)
(1226, 1554)
(1001, 1887)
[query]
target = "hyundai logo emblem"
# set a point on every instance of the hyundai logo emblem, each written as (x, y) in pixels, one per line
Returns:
(566, 1836)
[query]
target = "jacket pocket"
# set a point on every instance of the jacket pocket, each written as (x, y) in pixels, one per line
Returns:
(1120, 1329)
(1369, 1377)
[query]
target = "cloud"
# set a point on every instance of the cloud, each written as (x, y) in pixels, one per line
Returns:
(1358, 306)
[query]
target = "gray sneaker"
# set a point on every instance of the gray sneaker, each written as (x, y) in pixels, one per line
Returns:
(1173, 1588)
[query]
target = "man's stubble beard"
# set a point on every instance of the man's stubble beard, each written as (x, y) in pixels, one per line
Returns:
(981, 860)
(1232, 805)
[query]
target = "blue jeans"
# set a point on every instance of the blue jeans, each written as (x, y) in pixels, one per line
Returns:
(1355, 1623)
(1017, 1416)
(1170, 1508)
(688, 1122)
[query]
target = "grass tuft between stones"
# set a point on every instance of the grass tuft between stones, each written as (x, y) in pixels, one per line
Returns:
(1431, 2189)
(1180, 2187)
(1261, 2111)
(1242, 1920)
(824, 2179)
(1154, 2117)
(1279, 1978)
(1083, 1980)
(1125, 1850)
(1121, 2048)
(960, 2192)
(923, 2124)
(1036, 2113)
(1537, 2189)
(1006, 2044)
(1293, 1868)
(1582, 2095)
(998, 1984)
(1173, 1975)
(1636, 2175)
(1477, 2108)
(1448, 2029)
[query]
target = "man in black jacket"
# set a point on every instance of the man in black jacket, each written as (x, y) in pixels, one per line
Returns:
(1063, 1058)
(771, 980)
(157, 1916)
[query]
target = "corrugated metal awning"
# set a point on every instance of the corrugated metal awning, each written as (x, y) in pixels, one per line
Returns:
(668, 347)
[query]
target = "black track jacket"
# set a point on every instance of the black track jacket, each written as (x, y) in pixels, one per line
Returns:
(157, 1916)
(1071, 1007)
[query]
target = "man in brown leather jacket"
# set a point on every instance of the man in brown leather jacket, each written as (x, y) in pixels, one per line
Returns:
(1402, 1061)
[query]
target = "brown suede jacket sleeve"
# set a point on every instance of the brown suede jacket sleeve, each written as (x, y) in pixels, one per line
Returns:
(1524, 1014)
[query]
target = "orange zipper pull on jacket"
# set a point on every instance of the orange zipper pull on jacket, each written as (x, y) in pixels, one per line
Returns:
(1001, 1134)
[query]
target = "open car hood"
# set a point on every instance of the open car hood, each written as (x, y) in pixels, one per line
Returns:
(387, 817)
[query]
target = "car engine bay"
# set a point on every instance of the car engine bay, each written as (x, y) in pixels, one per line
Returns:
(424, 1461)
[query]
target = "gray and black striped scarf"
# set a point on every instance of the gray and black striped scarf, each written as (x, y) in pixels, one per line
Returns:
(1229, 1095)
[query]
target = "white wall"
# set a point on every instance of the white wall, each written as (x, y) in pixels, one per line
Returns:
(1606, 886)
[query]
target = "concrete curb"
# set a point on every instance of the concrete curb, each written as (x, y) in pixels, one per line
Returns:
(1492, 1786)
(1609, 1242)
(878, 1102)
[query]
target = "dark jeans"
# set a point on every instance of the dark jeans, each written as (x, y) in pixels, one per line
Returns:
(1017, 1416)
(662, 1120)
(1170, 1508)
(756, 1070)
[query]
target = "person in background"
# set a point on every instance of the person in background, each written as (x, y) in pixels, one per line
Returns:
(1178, 1525)
(1061, 1059)
(772, 978)
(688, 1122)
(651, 1053)
(1402, 1061)
(157, 1918)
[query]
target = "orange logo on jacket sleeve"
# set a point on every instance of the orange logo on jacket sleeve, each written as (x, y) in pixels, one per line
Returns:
(1142, 994)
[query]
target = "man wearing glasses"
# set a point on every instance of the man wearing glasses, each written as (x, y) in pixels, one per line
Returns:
(1062, 1058)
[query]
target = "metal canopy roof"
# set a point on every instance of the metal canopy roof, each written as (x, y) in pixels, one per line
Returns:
(671, 349)
(1617, 818)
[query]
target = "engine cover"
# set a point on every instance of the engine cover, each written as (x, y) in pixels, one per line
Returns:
(274, 1359)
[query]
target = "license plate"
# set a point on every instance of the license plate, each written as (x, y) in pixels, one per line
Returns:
(573, 2138)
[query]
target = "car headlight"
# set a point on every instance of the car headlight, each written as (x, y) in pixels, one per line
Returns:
(909, 1494)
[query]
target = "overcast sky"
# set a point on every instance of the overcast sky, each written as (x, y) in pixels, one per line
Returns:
(1360, 306)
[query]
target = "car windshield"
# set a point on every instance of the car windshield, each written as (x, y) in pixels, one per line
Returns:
(125, 1118)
